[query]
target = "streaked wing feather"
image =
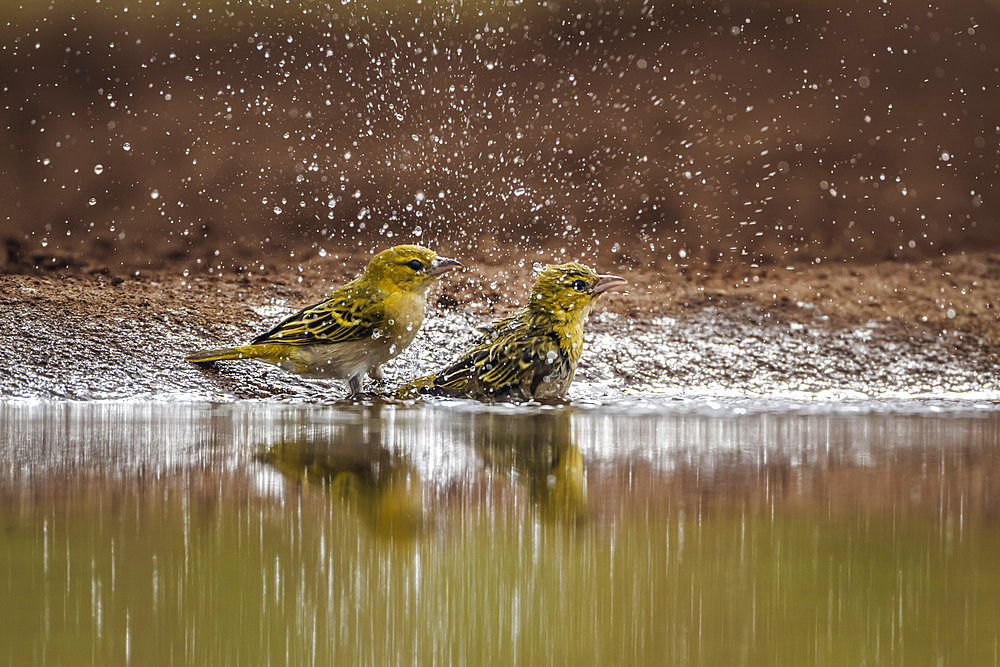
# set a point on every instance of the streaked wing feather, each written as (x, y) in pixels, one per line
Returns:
(332, 320)
(497, 367)
(498, 327)
(508, 365)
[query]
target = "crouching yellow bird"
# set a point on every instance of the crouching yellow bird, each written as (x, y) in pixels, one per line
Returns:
(531, 354)
(356, 329)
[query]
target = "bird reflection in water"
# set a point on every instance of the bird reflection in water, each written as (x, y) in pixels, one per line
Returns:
(352, 466)
(539, 449)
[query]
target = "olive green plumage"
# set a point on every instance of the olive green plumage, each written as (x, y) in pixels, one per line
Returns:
(357, 328)
(531, 354)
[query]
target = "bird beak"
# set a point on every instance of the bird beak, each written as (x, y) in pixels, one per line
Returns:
(605, 283)
(443, 264)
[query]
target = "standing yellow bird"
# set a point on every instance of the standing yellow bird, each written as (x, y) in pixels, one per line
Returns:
(531, 354)
(355, 330)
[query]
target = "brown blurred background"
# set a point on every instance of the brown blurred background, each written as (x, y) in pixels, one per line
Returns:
(233, 135)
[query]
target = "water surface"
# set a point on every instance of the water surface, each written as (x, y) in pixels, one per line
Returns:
(706, 532)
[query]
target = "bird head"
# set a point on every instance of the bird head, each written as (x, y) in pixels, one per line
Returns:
(408, 267)
(567, 291)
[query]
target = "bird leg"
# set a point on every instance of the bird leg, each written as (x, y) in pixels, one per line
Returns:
(354, 384)
(376, 373)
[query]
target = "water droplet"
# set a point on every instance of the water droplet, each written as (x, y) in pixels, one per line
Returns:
(98, 168)
(155, 194)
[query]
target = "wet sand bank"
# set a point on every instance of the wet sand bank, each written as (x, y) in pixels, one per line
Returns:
(841, 331)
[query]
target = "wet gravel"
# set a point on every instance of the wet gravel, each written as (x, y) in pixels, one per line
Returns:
(743, 351)
(84, 348)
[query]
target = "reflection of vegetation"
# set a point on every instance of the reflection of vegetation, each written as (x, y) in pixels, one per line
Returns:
(540, 448)
(359, 474)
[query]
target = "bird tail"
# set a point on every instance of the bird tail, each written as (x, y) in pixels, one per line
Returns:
(414, 388)
(220, 354)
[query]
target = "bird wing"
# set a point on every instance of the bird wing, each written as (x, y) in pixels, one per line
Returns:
(344, 316)
(508, 362)
(498, 327)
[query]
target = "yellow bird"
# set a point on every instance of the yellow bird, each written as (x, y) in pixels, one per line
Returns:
(531, 354)
(355, 330)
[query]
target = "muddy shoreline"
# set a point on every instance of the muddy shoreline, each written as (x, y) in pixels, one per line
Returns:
(840, 331)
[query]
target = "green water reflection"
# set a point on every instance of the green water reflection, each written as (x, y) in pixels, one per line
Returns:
(245, 534)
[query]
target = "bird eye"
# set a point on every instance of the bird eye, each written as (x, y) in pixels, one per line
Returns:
(579, 285)
(415, 264)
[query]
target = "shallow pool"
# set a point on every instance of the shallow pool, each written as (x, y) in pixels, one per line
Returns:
(697, 531)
